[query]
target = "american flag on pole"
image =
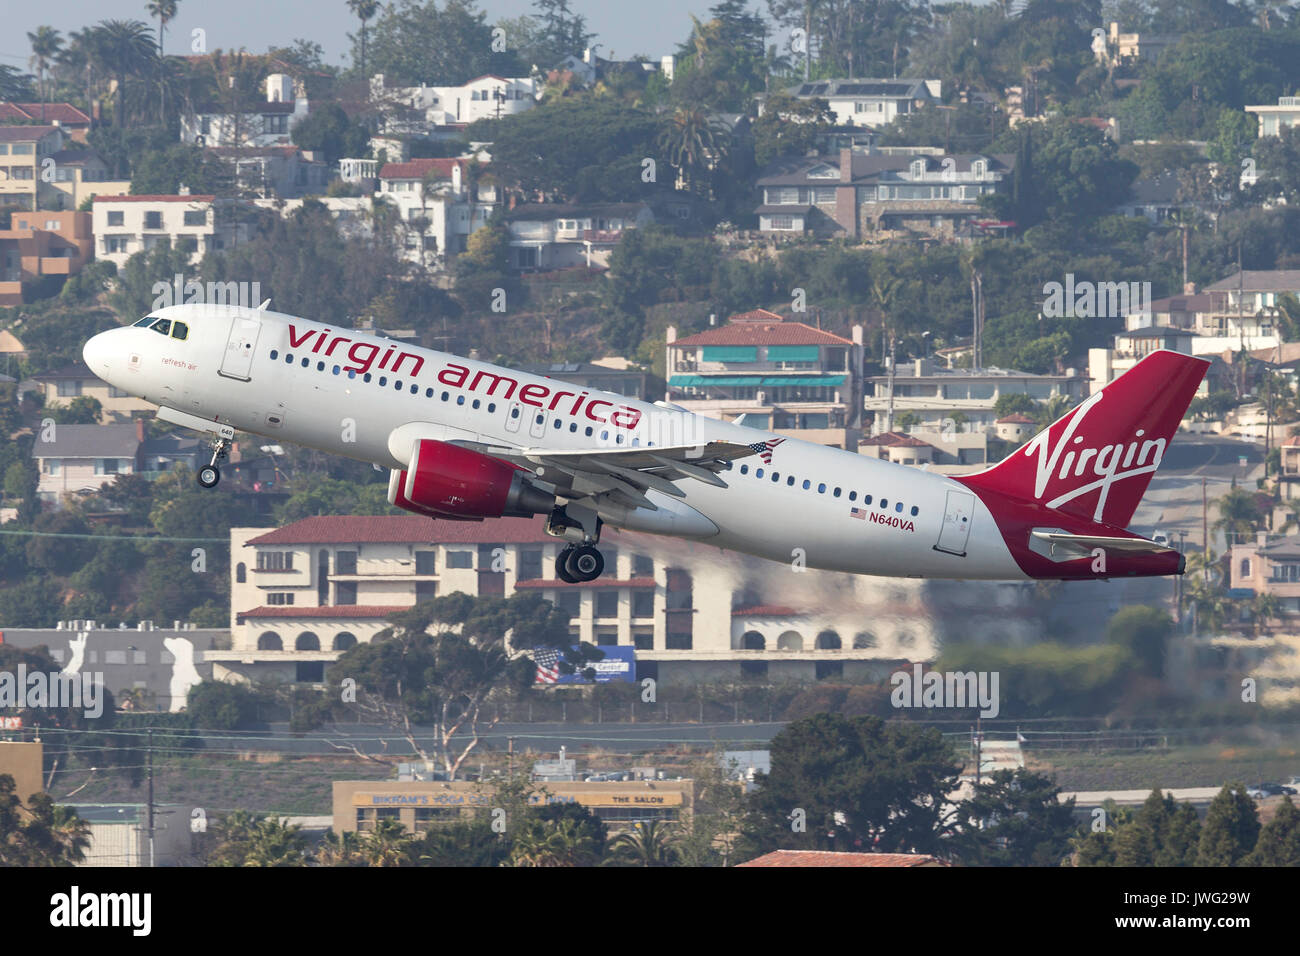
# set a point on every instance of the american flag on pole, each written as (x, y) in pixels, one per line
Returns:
(764, 448)
(548, 670)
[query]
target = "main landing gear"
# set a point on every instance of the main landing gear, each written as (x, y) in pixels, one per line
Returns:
(578, 564)
(579, 561)
(210, 474)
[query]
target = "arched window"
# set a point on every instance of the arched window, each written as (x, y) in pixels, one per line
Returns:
(343, 640)
(1245, 567)
(753, 641)
(269, 641)
(307, 641)
(790, 641)
(241, 573)
(828, 641)
(863, 640)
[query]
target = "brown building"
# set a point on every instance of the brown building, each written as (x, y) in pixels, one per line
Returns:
(22, 761)
(420, 804)
(40, 244)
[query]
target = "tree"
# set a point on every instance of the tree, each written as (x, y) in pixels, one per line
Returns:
(14, 85)
(854, 783)
(82, 410)
(364, 10)
(789, 126)
(417, 42)
(1231, 828)
(1145, 632)
(246, 839)
(1240, 515)
(1016, 819)
(1279, 840)
(560, 32)
(221, 705)
(40, 833)
(717, 812)
(694, 143)
(564, 834)
(442, 680)
(164, 11)
(47, 44)
(126, 51)
(652, 843)
(328, 130)
(1163, 832)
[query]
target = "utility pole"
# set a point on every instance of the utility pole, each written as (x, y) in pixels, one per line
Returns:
(510, 749)
(977, 316)
(149, 797)
(889, 414)
(1205, 530)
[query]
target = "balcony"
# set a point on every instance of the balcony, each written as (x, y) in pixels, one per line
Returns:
(606, 236)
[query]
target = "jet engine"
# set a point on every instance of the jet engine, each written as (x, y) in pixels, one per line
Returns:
(448, 481)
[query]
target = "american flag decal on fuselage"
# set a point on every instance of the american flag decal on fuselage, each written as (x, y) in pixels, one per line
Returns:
(764, 448)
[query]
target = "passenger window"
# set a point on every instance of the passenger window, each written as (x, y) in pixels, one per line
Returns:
(162, 326)
(306, 362)
(180, 331)
(366, 377)
(460, 399)
(573, 427)
(899, 507)
(398, 385)
(744, 469)
(821, 488)
(758, 473)
(514, 413)
(337, 370)
(492, 407)
(275, 354)
(915, 511)
(475, 403)
(383, 381)
(866, 499)
(320, 366)
(884, 502)
(853, 496)
(445, 396)
(428, 393)
(835, 493)
(415, 389)
(806, 484)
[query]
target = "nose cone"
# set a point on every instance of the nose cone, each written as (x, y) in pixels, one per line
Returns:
(97, 353)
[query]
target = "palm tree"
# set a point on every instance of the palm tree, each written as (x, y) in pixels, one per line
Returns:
(648, 844)
(164, 11)
(563, 842)
(695, 143)
(387, 845)
(1239, 515)
(82, 55)
(1264, 607)
(46, 46)
(275, 843)
(363, 10)
(341, 849)
(125, 49)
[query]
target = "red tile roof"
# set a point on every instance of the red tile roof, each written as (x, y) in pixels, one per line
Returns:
(65, 113)
(766, 610)
(751, 332)
(598, 583)
(24, 134)
(419, 168)
(156, 198)
(342, 611)
(408, 529)
(829, 858)
(1016, 418)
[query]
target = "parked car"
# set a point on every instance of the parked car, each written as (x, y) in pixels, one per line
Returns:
(1262, 790)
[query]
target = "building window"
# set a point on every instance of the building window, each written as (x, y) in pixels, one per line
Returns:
(112, 466)
(69, 389)
(784, 223)
(606, 604)
(269, 641)
(425, 591)
(275, 560)
(345, 592)
(196, 217)
(529, 564)
(307, 641)
(426, 562)
(643, 603)
(280, 597)
(345, 562)
(241, 573)
(1245, 567)
(643, 640)
(607, 638)
(114, 243)
(570, 602)
(153, 219)
(460, 559)
(643, 566)
(116, 217)
(343, 640)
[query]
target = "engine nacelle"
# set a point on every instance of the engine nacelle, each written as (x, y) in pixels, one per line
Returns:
(447, 481)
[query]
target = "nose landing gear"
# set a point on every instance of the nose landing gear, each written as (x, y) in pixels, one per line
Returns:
(210, 474)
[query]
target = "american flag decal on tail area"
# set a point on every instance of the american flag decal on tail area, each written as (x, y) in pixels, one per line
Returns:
(764, 448)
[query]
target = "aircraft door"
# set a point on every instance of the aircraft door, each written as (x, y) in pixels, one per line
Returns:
(537, 423)
(957, 514)
(513, 416)
(237, 362)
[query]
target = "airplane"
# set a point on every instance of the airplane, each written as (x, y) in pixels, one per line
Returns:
(466, 440)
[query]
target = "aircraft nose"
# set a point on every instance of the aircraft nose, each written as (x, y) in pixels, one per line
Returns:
(97, 352)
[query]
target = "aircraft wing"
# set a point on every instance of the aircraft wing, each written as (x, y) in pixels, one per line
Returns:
(625, 474)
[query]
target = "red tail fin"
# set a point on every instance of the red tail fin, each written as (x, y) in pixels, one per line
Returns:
(1097, 460)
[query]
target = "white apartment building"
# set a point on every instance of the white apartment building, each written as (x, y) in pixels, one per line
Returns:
(422, 109)
(441, 202)
(125, 225)
(870, 102)
(259, 124)
(1274, 119)
(302, 594)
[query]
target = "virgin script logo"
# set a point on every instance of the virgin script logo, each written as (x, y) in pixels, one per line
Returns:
(1110, 463)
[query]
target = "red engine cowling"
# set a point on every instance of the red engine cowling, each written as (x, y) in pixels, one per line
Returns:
(447, 481)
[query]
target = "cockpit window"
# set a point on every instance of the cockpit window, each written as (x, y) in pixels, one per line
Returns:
(162, 326)
(180, 331)
(146, 321)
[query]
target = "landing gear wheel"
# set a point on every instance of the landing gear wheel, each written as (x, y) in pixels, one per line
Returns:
(561, 566)
(585, 563)
(208, 476)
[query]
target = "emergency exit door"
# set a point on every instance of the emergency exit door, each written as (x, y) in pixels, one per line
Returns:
(237, 362)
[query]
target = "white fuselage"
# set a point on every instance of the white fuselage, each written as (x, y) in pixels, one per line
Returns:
(239, 367)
